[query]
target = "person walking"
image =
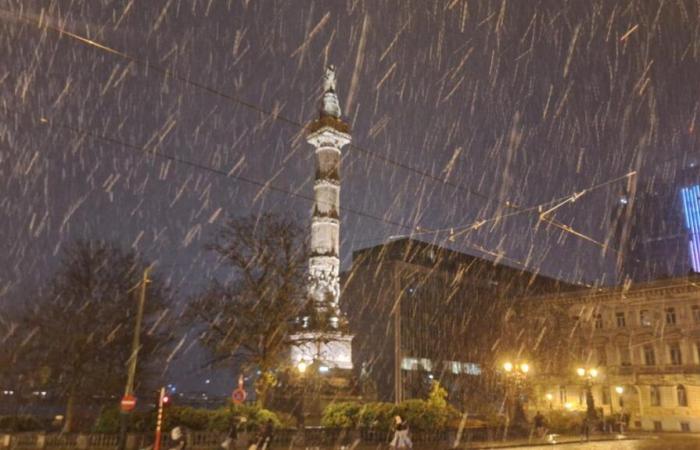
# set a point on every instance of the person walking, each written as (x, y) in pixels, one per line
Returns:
(540, 426)
(178, 440)
(266, 435)
(401, 438)
(585, 429)
(231, 441)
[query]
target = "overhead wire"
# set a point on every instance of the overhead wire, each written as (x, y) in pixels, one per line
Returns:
(263, 185)
(272, 114)
(276, 116)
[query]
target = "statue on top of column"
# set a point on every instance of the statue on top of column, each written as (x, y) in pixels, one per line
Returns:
(329, 79)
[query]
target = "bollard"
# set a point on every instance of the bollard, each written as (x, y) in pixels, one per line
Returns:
(82, 442)
(131, 441)
(40, 441)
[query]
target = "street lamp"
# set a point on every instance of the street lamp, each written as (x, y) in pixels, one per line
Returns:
(549, 398)
(588, 375)
(516, 374)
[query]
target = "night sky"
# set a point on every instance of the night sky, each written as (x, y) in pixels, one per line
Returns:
(458, 110)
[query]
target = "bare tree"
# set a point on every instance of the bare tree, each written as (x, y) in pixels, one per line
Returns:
(79, 334)
(254, 314)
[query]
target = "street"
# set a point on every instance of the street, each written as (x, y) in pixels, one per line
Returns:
(658, 442)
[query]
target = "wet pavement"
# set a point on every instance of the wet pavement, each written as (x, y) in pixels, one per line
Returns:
(648, 442)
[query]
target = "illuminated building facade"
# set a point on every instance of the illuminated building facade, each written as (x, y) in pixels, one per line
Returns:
(643, 341)
(691, 212)
(657, 230)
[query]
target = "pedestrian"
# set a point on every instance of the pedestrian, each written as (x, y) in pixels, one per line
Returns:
(585, 429)
(265, 438)
(178, 440)
(231, 441)
(540, 425)
(401, 438)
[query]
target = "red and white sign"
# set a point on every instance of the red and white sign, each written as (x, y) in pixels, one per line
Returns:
(238, 396)
(128, 403)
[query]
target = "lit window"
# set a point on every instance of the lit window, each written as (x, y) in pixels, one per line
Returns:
(696, 313)
(675, 353)
(598, 321)
(625, 356)
(671, 316)
(472, 369)
(682, 395)
(655, 395)
(649, 356)
(602, 356)
(409, 364)
(620, 318)
(645, 318)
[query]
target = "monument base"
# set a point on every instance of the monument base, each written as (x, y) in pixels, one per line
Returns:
(330, 350)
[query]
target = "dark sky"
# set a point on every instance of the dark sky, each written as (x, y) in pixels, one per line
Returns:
(457, 107)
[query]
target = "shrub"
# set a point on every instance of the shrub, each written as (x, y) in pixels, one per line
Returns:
(341, 415)
(20, 423)
(564, 421)
(377, 415)
(425, 415)
(197, 419)
(107, 421)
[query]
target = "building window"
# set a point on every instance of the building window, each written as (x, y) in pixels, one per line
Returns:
(620, 319)
(649, 356)
(671, 316)
(685, 426)
(645, 318)
(602, 356)
(655, 395)
(598, 321)
(625, 357)
(606, 395)
(696, 313)
(682, 395)
(409, 364)
(657, 426)
(697, 347)
(675, 353)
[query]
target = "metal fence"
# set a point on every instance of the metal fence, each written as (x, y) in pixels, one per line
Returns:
(207, 440)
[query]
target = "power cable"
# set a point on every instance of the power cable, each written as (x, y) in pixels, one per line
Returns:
(274, 115)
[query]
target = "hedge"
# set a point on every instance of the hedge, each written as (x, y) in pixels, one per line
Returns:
(196, 419)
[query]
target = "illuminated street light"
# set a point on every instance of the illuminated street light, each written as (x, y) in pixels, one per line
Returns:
(549, 397)
(515, 378)
(619, 389)
(588, 375)
(301, 367)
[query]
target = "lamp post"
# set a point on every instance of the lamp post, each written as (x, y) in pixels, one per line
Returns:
(516, 376)
(128, 398)
(588, 375)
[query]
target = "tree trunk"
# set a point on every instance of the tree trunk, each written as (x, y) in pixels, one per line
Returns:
(70, 407)
(262, 387)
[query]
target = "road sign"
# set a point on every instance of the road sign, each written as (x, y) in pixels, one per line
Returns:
(128, 403)
(238, 396)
